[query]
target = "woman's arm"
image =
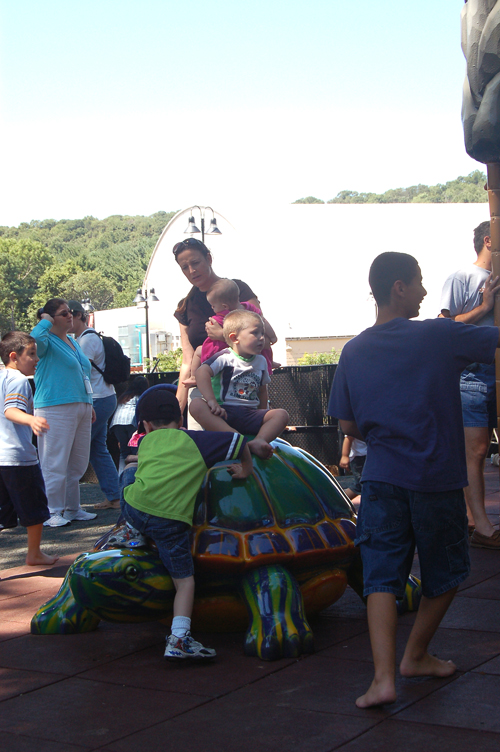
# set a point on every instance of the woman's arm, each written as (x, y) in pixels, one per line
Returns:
(185, 372)
(40, 333)
(263, 397)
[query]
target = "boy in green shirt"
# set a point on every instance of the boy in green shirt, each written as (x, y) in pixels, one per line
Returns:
(159, 493)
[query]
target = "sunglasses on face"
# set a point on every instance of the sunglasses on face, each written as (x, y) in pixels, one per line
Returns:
(189, 243)
(64, 313)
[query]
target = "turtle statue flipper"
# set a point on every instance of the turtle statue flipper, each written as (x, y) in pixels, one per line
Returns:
(62, 614)
(278, 625)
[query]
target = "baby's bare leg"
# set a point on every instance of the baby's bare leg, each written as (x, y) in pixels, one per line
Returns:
(195, 364)
(205, 417)
(274, 424)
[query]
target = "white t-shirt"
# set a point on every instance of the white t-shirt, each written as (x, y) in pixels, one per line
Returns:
(237, 380)
(16, 447)
(92, 346)
(463, 291)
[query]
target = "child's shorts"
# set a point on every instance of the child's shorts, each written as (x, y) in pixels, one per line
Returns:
(22, 494)
(393, 521)
(171, 537)
(245, 420)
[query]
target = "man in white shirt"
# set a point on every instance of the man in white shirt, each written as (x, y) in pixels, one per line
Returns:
(469, 296)
(104, 397)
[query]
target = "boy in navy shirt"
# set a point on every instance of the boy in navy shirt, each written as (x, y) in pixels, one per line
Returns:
(397, 388)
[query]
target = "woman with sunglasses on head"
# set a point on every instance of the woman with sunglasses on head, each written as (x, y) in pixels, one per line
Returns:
(194, 311)
(63, 396)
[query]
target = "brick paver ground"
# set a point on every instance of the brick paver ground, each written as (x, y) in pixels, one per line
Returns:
(111, 690)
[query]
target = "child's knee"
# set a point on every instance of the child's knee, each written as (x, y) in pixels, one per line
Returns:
(196, 406)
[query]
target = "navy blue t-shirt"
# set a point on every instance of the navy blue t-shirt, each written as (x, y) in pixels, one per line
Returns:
(400, 383)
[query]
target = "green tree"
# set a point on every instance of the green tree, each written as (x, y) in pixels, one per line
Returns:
(309, 200)
(167, 362)
(464, 189)
(22, 262)
(89, 284)
(317, 359)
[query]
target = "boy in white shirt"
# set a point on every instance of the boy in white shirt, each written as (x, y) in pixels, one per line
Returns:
(234, 386)
(22, 490)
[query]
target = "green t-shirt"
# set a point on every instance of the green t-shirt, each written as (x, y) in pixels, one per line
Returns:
(171, 466)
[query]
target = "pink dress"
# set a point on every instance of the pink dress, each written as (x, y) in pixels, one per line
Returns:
(212, 346)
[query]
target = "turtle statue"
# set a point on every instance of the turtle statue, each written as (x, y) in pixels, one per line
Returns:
(269, 552)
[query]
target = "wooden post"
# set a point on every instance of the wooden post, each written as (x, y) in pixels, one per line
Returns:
(494, 202)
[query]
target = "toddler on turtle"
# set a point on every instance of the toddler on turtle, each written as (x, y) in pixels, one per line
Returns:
(234, 386)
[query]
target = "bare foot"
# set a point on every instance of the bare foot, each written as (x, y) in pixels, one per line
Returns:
(261, 448)
(191, 381)
(429, 665)
(379, 693)
(40, 558)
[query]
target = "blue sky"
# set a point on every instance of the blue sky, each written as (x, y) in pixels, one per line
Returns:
(129, 107)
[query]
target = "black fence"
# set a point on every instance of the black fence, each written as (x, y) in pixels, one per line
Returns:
(303, 391)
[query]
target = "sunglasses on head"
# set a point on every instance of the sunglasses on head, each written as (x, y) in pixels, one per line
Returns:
(189, 243)
(64, 313)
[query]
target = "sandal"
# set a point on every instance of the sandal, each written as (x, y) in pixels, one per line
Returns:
(107, 505)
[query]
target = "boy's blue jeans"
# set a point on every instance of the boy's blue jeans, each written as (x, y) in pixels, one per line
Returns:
(170, 536)
(392, 521)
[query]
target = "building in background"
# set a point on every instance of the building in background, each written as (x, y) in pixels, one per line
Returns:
(297, 347)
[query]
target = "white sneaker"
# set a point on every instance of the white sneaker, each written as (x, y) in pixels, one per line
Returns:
(80, 514)
(56, 520)
(182, 648)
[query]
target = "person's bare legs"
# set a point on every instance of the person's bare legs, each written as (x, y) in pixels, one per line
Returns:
(184, 596)
(382, 621)
(416, 660)
(477, 441)
(274, 423)
(205, 417)
(35, 555)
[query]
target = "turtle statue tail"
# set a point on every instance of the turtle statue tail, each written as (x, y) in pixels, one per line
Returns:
(278, 625)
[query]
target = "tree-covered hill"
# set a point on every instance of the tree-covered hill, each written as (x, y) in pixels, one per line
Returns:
(101, 259)
(462, 190)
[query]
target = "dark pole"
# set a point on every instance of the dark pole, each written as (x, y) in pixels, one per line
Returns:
(147, 332)
(202, 229)
(494, 202)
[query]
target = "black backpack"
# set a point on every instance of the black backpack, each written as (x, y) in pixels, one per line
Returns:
(116, 363)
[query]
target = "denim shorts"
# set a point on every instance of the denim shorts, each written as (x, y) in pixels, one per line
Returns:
(22, 494)
(393, 521)
(170, 536)
(357, 464)
(478, 393)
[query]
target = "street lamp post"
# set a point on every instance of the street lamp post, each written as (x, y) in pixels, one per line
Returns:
(192, 229)
(138, 300)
